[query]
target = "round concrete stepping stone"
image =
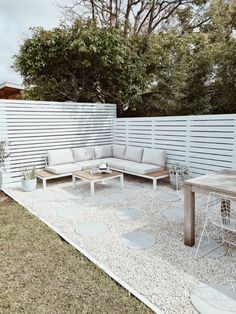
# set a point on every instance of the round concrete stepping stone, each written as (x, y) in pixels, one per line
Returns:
(134, 186)
(49, 195)
(69, 212)
(75, 195)
(138, 240)
(90, 229)
(168, 197)
(42, 193)
(173, 214)
(117, 197)
(204, 247)
(129, 213)
(213, 299)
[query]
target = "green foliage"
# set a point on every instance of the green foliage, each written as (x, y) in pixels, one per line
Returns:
(224, 86)
(3, 152)
(159, 74)
(181, 81)
(81, 63)
(222, 16)
(29, 173)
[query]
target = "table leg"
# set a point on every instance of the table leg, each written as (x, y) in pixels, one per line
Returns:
(44, 184)
(74, 181)
(122, 182)
(189, 216)
(154, 184)
(92, 188)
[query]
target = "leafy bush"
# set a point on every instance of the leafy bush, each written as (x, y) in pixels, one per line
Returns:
(82, 63)
(159, 74)
(3, 153)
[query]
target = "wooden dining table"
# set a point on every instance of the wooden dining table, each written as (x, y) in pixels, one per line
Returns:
(222, 182)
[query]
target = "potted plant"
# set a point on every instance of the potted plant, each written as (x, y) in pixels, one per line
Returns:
(29, 180)
(178, 173)
(3, 156)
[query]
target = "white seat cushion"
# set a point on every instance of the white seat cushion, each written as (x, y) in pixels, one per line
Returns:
(103, 151)
(83, 153)
(154, 157)
(118, 151)
(60, 157)
(134, 153)
(141, 168)
(116, 163)
(91, 164)
(63, 169)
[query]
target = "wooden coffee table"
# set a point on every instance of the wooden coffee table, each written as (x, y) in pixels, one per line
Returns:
(92, 178)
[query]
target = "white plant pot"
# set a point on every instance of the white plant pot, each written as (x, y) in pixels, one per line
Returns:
(1, 180)
(29, 185)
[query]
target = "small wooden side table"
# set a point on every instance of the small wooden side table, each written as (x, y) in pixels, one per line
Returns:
(46, 175)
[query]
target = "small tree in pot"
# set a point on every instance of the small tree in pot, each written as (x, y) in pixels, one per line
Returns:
(178, 173)
(29, 180)
(3, 156)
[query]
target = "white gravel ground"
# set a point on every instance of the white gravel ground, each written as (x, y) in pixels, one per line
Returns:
(164, 273)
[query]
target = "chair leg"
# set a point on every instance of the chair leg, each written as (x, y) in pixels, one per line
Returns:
(202, 219)
(200, 240)
(222, 235)
(208, 238)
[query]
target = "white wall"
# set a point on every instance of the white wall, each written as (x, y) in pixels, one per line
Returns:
(31, 128)
(205, 143)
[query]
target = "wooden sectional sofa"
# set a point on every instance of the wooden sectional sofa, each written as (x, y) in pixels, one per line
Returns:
(143, 162)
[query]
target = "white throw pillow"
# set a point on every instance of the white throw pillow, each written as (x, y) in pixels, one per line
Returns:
(83, 153)
(103, 151)
(154, 157)
(60, 157)
(118, 151)
(134, 153)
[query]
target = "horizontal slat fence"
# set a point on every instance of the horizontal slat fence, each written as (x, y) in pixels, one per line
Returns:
(204, 143)
(31, 128)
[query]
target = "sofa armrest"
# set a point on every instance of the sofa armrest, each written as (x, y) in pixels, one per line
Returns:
(46, 160)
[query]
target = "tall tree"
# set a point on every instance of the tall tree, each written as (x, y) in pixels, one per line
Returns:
(158, 74)
(141, 16)
(222, 19)
(82, 63)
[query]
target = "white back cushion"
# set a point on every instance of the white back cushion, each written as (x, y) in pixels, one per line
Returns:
(60, 157)
(103, 151)
(134, 153)
(83, 153)
(118, 151)
(154, 157)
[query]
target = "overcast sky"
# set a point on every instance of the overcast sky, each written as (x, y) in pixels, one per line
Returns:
(16, 16)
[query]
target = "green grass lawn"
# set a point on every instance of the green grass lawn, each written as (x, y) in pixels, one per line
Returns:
(40, 273)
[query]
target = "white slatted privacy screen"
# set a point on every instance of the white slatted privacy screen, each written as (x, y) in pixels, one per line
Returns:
(31, 128)
(204, 143)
